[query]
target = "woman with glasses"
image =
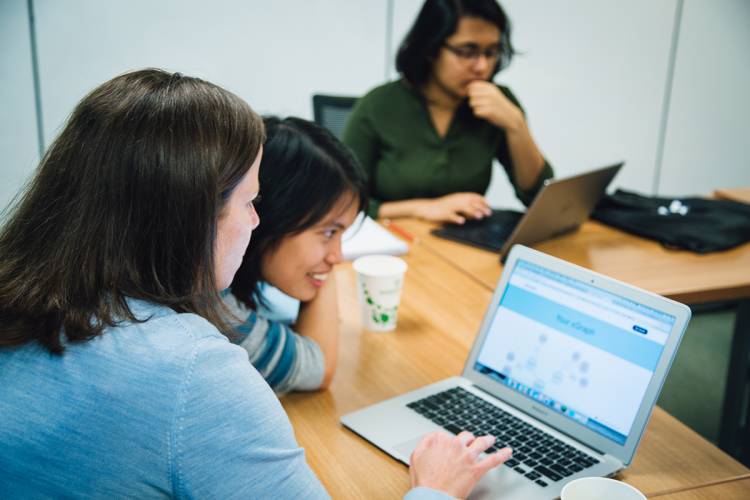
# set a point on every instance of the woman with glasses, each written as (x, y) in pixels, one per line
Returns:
(427, 141)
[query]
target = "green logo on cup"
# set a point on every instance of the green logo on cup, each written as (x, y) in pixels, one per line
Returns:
(380, 313)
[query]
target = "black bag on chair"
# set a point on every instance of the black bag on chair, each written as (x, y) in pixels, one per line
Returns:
(696, 224)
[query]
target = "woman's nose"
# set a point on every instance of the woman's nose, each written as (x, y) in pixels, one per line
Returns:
(335, 255)
(254, 218)
(481, 63)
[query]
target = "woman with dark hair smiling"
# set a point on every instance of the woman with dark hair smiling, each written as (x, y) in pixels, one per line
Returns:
(313, 189)
(115, 378)
(427, 141)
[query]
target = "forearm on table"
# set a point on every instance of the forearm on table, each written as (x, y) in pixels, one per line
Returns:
(319, 321)
(528, 161)
(405, 208)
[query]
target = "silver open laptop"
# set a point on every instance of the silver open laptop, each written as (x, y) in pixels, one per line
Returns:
(560, 206)
(565, 369)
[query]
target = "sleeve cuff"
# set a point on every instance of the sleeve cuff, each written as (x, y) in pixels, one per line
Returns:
(373, 207)
(308, 368)
(422, 493)
(527, 196)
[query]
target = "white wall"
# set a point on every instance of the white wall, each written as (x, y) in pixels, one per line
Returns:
(592, 78)
(708, 128)
(591, 75)
(18, 141)
(272, 54)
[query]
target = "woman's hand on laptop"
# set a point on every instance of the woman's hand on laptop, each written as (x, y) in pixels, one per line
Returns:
(455, 208)
(453, 464)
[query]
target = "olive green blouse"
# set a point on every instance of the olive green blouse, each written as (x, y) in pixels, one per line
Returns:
(392, 135)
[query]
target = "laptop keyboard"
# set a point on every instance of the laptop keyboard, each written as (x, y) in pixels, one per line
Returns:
(537, 455)
(489, 233)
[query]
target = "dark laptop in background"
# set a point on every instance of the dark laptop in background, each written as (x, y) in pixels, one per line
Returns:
(560, 206)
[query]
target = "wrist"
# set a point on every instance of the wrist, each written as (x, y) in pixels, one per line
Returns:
(417, 207)
(421, 209)
(406, 208)
(514, 124)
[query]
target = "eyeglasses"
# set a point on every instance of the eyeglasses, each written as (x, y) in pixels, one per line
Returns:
(472, 52)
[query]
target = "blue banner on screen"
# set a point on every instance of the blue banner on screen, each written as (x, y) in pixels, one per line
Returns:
(583, 327)
(581, 351)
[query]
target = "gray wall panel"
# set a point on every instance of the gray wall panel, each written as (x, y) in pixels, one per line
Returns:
(708, 127)
(273, 54)
(18, 137)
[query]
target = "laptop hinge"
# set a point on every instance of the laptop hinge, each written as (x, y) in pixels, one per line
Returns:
(535, 418)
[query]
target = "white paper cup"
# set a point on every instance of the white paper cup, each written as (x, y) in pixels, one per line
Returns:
(379, 281)
(599, 488)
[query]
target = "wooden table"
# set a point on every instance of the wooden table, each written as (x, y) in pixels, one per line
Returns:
(731, 489)
(683, 276)
(680, 275)
(440, 313)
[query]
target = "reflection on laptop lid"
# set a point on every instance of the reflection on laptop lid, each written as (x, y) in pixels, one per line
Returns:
(560, 206)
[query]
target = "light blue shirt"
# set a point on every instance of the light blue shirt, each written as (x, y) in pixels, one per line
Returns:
(164, 408)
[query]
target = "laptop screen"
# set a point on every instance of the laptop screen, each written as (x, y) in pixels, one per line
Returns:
(583, 352)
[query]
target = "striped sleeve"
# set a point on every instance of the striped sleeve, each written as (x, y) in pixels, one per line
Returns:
(287, 360)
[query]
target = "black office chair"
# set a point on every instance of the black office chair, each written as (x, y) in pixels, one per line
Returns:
(332, 112)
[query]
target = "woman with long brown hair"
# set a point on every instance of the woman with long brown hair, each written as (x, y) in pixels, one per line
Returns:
(115, 378)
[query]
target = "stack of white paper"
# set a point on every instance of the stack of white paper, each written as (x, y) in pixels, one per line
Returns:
(367, 237)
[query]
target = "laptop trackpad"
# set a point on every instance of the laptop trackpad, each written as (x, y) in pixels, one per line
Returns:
(407, 447)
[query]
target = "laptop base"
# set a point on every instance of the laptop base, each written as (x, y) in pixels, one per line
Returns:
(376, 425)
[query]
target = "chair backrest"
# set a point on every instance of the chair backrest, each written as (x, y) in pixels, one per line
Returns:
(332, 111)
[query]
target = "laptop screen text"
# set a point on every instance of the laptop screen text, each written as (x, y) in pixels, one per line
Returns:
(581, 351)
